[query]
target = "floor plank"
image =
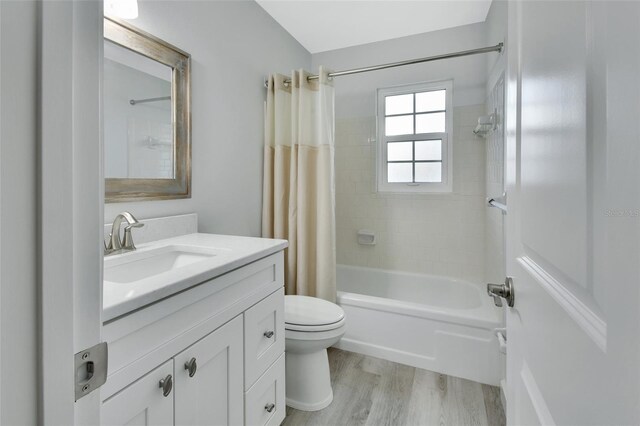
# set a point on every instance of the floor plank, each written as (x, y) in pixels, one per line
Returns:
(493, 405)
(464, 403)
(375, 392)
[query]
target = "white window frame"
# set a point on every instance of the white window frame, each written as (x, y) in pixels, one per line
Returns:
(447, 140)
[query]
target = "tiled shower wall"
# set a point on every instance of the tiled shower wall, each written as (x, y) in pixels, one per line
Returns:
(441, 234)
(494, 224)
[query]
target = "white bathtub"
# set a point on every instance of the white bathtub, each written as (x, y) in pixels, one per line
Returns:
(431, 322)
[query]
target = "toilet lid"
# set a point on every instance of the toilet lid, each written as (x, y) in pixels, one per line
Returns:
(310, 311)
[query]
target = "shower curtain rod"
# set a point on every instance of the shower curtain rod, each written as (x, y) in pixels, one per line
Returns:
(497, 48)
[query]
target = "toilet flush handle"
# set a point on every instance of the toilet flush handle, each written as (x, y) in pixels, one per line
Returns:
(268, 334)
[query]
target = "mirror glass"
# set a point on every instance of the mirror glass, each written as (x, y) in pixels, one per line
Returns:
(138, 125)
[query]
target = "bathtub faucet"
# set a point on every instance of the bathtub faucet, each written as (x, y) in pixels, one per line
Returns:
(502, 291)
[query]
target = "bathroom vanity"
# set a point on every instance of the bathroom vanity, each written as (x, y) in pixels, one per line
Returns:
(195, 330)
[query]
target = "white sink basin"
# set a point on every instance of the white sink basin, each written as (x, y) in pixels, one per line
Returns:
(136, 266)
(163, 268)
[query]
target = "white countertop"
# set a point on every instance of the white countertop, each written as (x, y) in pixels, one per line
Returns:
(231, 252)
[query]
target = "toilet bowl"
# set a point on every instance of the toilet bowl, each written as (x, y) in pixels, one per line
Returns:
(311, 326)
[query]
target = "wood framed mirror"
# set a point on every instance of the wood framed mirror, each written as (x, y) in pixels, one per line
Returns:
(147, 116)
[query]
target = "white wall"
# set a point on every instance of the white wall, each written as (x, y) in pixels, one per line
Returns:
(496, 32)
(439, 234)
(355, 95)
(18, 213)
(234, 45)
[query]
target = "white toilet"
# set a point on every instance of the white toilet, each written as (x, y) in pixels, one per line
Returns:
(311, 326)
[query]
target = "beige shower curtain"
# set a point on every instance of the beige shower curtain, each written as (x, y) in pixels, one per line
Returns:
(299, 184)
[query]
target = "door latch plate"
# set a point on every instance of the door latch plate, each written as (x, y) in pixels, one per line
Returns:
(90, 369)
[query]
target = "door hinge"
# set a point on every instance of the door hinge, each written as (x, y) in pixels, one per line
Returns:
(91, 369)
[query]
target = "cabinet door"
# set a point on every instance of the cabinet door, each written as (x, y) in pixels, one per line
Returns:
(209, 379)
(143, 402)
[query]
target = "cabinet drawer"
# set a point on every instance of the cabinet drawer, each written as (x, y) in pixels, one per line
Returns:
(142, 402)
(263, 336)
(265, 401)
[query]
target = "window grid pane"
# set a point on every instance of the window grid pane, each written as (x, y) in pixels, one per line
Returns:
(399, 151)
(428, 172)
(399, 104)
(400, 172)
(428, 150)
(430, 122)
(434, 100)
(408, 162)
(399, 125)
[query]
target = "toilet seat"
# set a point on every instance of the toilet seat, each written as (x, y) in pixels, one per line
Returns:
(310, 314)
(314, 328)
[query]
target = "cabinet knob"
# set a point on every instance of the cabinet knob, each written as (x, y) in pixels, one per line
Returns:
(166, 384)
(191, 366)
(269, 407)
(268, 334)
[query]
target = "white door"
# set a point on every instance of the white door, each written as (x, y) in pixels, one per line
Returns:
(70, 196)
(209, 379)
(144, 402)
(573, 227)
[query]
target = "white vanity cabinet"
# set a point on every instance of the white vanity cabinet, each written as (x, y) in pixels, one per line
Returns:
(220, 343)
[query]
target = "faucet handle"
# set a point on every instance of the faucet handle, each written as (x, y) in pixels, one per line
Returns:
(502, 291)
(127, 243)
(496, 300)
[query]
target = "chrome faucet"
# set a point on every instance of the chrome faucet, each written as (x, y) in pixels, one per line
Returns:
(115, 244)
(502, 291)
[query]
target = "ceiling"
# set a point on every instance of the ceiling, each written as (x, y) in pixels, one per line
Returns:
(334, 24)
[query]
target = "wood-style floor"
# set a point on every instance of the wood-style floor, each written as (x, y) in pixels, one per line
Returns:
(371, 391)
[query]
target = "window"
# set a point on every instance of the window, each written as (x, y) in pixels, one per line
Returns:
(414, 132)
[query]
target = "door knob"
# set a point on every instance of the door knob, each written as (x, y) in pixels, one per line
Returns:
(191, 366)
(502, 291)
